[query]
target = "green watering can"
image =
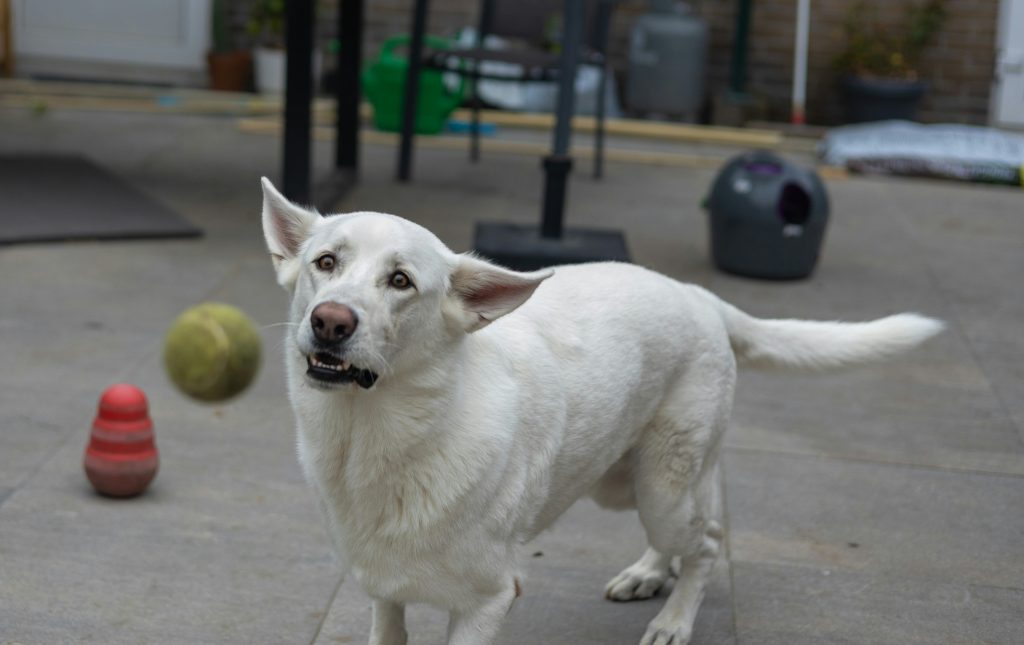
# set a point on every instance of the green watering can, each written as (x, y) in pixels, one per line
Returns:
(384, 85)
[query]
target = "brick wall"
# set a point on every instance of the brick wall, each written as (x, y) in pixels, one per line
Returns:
(958, 66)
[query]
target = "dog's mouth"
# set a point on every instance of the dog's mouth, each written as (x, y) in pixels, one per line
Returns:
(328, 369)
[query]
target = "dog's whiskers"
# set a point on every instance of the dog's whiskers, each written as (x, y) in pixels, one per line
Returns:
(280, 324)
(377, 357)
(279, 345)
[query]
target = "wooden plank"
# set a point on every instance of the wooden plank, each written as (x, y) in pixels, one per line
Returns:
(755, 138)
(113, 90)
(264, 126)
(833, 173)
(169, 103)
(89, 96)
(530, 148)
(635, 128)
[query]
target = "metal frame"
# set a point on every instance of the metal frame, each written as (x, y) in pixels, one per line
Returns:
(412, 89)
(300, 19)
(557, 165)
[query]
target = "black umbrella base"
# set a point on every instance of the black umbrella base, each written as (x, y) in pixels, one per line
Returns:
(522, 247)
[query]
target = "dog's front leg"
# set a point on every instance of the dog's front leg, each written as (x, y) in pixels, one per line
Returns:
(481, 624)
(388, 623)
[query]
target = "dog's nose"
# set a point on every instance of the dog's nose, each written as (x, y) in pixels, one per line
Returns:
(333, 322)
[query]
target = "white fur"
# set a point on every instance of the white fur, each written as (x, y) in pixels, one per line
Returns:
(503, 397)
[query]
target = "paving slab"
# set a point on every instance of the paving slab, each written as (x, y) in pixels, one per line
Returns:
(795, 605)
(83, 570)
(68, 331)
(970, 254)
(839, 552)
(922, 410)
(225, 547)
(835, 551)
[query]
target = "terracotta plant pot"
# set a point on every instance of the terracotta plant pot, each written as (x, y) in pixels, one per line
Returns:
(230, 71)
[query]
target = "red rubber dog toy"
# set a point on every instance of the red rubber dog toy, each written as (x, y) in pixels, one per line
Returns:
(121, 458)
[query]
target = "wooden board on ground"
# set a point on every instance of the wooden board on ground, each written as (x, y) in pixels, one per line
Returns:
(443, 142)
(31, 94)
(41, 95)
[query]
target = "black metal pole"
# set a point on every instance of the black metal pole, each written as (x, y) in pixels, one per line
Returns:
(412, 89)
(604, 14)
(483, 28)
(572, 31)
(558, 164)
(299, 17)
(350, 35)
(738, 69)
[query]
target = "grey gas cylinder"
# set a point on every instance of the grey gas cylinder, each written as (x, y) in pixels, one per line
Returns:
(667, 51)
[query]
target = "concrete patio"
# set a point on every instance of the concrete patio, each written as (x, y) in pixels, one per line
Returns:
(880, 505)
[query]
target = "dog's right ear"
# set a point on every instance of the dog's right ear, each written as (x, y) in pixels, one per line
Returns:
(285, 226)
(482, 292)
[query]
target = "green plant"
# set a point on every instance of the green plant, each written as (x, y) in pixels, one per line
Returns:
(877, 49)
(266, 23)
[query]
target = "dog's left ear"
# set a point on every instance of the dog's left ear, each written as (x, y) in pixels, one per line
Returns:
(285, 226)
(485, 292)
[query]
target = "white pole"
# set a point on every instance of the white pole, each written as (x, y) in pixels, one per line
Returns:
(803, 18)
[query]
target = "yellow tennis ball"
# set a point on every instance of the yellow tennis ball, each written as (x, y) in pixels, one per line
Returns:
(212, 352)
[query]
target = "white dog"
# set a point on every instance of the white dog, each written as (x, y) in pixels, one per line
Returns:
(449, 410)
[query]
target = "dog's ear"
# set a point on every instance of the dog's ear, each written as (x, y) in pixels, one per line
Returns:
(484, 292)
(285, 227)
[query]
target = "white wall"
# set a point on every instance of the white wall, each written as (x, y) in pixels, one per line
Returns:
(1008, 93)
(143, 40)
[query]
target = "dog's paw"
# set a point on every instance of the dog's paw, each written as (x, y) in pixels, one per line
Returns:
(635, 583)
(666, 634)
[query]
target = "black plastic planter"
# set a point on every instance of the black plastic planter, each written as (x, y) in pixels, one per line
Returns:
(880, 99)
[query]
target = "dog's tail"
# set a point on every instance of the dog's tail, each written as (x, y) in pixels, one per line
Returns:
(812, 344)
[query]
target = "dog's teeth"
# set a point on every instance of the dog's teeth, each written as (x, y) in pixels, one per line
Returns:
(334, 367)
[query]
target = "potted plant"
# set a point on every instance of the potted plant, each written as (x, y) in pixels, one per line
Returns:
(879, 65)
(230, 68)
(266, 26)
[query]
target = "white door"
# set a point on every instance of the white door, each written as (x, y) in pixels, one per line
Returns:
(1008, 97)
(159, 40)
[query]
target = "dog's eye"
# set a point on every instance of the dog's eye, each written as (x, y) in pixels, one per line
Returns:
(326, 262)
(399, 280)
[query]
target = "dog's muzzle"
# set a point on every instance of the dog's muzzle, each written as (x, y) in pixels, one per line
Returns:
(329, 369)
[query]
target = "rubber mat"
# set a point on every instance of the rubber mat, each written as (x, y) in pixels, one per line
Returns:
(58, 198)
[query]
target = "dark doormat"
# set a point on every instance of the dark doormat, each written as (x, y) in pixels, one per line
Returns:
(55, 198)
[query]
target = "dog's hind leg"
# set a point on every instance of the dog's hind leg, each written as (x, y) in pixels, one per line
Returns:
(646, 576)
(674, 623)
(679, 496)
(388, 623)
(642, 579)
